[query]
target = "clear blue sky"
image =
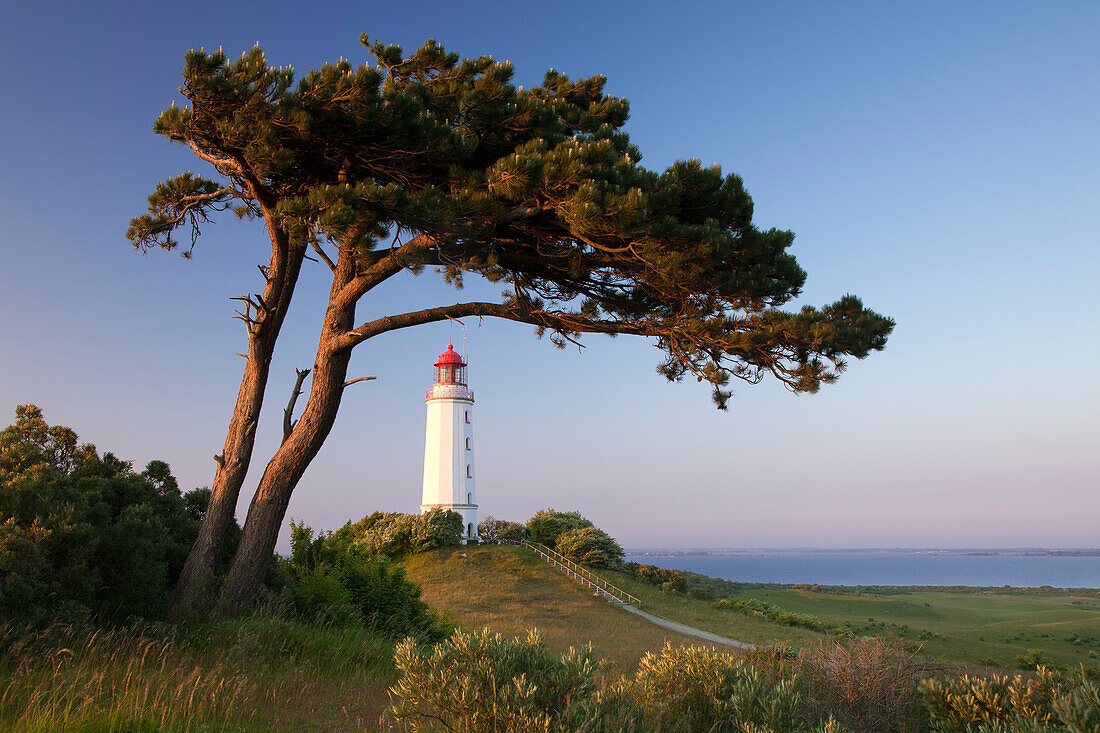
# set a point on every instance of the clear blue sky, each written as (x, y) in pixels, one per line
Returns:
(941, 160)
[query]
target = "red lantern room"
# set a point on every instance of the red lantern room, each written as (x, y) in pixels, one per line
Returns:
(449, 368)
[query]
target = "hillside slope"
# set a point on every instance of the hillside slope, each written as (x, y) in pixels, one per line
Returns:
(509, 590)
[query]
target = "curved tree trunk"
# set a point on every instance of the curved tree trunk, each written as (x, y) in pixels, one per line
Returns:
(269, 505)
(192, 586)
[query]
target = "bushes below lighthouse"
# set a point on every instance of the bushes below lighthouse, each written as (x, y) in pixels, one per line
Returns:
(575, 537)
(394, 534)
(591, 546)
(548, 524)
(333, 581)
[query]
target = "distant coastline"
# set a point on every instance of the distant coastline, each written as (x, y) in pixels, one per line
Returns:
(961, 552)
(977, 567)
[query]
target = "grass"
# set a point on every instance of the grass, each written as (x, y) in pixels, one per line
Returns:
(975, 628)
(257, 673)
(703, 615)
(509, 590)
(968, 628)
(267, 671)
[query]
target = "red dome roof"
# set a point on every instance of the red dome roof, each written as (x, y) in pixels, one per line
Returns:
(449, 358)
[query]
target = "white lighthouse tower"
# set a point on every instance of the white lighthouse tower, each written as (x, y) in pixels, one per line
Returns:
(448, 448)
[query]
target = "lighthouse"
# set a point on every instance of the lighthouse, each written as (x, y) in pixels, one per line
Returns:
(448, 444)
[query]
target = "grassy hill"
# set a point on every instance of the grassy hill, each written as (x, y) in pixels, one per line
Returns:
(509, 590)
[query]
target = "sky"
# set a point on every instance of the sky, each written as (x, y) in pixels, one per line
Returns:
(940, 160)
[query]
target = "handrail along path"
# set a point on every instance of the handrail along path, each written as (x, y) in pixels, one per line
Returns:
(581, 575)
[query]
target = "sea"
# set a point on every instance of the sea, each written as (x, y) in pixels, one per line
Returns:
(1023, 568)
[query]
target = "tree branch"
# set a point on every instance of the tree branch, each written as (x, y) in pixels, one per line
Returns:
(359, 379)
(394, 262)
(561, 322)
(215, 161)
(325, 257)
(288, 413)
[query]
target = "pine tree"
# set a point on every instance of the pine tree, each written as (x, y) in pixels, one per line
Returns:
(434, 161)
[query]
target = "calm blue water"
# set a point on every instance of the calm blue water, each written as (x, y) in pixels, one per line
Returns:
(885, 568)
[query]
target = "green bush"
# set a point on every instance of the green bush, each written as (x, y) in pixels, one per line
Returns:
(479, 681)
(754, 607)
(665, 579)
(492, 531)
(696, 689)
(338, 583)
(591, 546)
(548, 524)
(1045, 701)
(1033, 659)
(394, 534)
(82, 533)
(702, 593)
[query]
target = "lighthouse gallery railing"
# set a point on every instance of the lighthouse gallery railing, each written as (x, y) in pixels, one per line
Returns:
(580, 574)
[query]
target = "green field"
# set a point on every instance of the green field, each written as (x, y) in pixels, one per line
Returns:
(976, 627)
(971, 627)
(962, 626)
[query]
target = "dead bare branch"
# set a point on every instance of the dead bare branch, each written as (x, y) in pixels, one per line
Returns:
(288, 413)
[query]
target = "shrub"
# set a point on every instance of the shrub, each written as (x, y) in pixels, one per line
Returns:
(665, 579)
(702, 593)
(591, 546)
(704, 690)
(492, 531)
(83, 533)
(548, 524)
(479, 681)
(1045, 701)
(867, 684)
(394, 534)
(1033, 659)
(335, 582)
(754, 607)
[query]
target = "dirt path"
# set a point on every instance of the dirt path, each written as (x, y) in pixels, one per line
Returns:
(688, 630)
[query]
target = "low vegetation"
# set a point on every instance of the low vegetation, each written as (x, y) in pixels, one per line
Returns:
(348, 635)
(1045, 701)
(336, 582)
(495, 531)
(393, 534)
(84, 534)
(264, 671)
(753, 607)
(479, 681)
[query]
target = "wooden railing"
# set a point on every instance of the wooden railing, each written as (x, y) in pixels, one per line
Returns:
(581, 575)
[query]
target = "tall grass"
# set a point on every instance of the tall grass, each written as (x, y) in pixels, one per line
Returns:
(264, 671)
(76, 679)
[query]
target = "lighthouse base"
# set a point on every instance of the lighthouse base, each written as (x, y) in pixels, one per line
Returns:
(468, 512)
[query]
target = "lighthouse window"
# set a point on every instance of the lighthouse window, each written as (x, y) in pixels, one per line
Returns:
(467, 444)
(469, 498)
(468, 474)
(467, 416)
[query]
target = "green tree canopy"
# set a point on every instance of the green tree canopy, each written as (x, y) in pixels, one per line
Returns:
(80, 532)
(432, 160)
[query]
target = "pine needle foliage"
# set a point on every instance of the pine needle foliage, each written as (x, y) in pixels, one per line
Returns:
(452, 165)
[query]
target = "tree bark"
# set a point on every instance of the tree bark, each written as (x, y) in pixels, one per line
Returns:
(198, 570)
(269, 504)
